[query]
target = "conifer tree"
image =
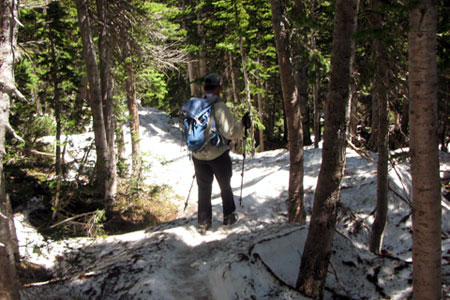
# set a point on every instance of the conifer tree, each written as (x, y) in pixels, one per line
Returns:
(426, 211)
(296, 209)
(9, 12)
(317, 251)
(380, 97)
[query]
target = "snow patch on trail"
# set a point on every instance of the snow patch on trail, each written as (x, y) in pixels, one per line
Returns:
(256, 258)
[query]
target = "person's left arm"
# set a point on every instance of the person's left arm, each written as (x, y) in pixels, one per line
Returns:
(227, 125)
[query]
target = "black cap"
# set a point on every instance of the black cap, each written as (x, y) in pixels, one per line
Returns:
(212, 81)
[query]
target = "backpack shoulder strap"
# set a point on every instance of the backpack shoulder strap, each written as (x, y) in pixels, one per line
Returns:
(211, 119)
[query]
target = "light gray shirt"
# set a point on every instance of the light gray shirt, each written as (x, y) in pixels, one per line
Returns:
(228, 127)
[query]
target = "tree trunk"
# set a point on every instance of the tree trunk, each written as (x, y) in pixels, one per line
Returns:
(296, 208)
(121, 151)
(133, 112)
(260, 114)
(106, 83)
(9, 12)
(316, 101)
(233, 79)
(443, 131)
(302, 86)
(8, 276)
(352, 111)
(372, 143)
(380, 95)
(196, 65)
(353, 122)
(271, 114)
(57, 107)
(202, 67)
(261, 120)
(317, 251)
(192, 67)
(404, 121)
(247, 94)
(246, 79)
(95, 98)
(423, 87)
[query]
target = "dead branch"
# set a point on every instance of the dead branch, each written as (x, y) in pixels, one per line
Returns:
(13, 132)
(404, 188)
(72, 218)
(338, 281)
(361, 152)
(407, 201)
(11, 90)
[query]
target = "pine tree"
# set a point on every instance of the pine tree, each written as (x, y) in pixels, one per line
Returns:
(316, 254)
(9, 11)
(424, 151)
(296, 208)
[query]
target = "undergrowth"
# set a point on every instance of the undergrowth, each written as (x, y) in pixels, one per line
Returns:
(31, 185)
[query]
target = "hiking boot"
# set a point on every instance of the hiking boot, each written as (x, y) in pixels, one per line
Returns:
(230, 219)
(203, 228)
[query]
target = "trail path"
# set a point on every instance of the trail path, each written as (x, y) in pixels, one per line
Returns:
(256, 258)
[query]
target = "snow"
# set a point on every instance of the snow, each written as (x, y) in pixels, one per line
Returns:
(256, 258)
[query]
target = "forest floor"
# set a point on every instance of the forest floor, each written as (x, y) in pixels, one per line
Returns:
(256, 258)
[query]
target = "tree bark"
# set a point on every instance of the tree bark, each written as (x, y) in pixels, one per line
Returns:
(260, 113)
(247, 94)
(57, 106)
(196, 65)
(233, 79)
(380, 96)
(132, 111)
(246, 78)
(302, 86)
(106, 83)
(192, 67)
(316, 101)
(372, 142)
(296, 208)
(423, 87)
(202, 67)
(9, 12)
(95, 97)
(317, 251)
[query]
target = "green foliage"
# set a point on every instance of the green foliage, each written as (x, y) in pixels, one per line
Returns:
(48, 72)
(43, 126)
(226, 23)
(50, 67)
(25, 73)
(156, 49)
(152, 88)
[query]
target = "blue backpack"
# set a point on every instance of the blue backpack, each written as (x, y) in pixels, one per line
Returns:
(197, 116)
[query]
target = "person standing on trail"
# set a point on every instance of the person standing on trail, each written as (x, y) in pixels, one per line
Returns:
(215, 161)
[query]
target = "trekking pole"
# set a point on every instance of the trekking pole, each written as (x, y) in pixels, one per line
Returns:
(189, 193)
(243, 165)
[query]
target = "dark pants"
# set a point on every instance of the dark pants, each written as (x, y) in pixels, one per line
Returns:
(205, 170)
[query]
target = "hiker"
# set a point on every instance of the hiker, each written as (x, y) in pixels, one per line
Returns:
(215, 160)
